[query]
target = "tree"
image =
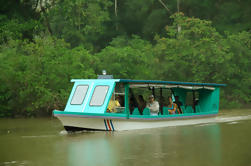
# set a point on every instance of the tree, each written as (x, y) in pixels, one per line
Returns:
(36, 75)
(199, 53)
(79, 22)
(127, 58)
(18, 20)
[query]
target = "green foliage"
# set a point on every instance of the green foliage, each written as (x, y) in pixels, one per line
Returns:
(143, 18)
(79, 22)
(18, 20)
(228, 15)
(17, 29)
(36, 74)
(199, 53)
(127, 58)
(44, 44)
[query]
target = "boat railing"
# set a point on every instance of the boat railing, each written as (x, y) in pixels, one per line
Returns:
(119, 93)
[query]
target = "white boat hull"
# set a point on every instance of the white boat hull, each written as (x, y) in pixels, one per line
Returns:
(81, 123)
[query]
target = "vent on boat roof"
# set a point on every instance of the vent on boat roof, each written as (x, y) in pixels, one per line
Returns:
(104, 76)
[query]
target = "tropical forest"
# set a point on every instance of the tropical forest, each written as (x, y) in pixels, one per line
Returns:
(46, 43)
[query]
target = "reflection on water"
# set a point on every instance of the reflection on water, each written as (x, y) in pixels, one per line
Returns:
(92, 149)
(42, 142)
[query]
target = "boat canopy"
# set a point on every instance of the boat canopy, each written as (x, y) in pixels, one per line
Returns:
(169, 82)
(94, 95)
(157, 83)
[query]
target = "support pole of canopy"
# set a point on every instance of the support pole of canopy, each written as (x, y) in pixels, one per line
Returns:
(161, 101)
(172, 92)
(194, 109)
(153, 91)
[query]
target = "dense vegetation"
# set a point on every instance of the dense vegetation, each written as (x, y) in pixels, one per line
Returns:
(45, 43)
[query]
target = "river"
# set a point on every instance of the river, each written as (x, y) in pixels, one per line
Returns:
(43, 142)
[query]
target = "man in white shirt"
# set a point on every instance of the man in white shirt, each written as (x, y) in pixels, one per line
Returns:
(153, 105)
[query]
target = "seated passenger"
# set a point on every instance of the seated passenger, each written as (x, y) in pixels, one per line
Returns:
(121, 100)
(196, 101)
(179, 103)
(132, 104)
(141, 104)
(153, 105)
(172, 107)
(113, 104)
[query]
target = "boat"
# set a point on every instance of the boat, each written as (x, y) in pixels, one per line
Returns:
(87, 106)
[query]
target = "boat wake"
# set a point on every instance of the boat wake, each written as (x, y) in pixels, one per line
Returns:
(220, 119)
(233, 122)
(38, 136)
(14, 163)
(64, 132)
(232, 118)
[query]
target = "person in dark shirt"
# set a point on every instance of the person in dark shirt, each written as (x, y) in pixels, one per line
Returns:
(132, 104)
(179, 103)
(141, 104)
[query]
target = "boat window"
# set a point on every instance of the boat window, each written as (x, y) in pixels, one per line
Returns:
(79, 95)
(99, 95)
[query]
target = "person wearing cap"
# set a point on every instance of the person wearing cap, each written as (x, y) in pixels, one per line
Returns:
(141, 104)
(153, 105)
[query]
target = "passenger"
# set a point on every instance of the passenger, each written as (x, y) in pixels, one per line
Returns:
(196, 101)
(153, 105)
(118, 98)
(141, 104)
(113, 104)
(179, 103)
(172, 107)
(132, 104)
(121, 100)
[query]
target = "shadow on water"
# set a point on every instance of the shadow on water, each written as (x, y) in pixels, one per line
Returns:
(42, 142)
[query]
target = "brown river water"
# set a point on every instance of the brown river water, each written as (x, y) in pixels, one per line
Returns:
(225, 140)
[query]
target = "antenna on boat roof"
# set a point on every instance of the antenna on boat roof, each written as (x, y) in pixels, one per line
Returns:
(104, 76)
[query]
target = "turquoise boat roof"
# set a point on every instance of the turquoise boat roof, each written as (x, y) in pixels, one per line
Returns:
(170, 82)
(154, 82)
